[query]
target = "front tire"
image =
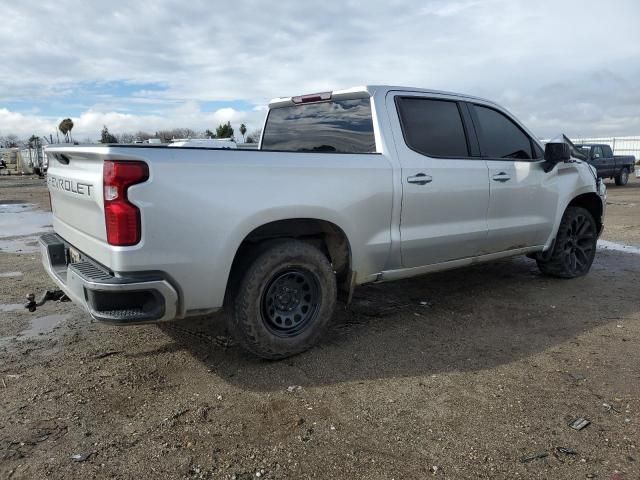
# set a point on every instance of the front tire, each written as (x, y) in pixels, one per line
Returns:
(575, 245)
(622, 178)
(285, 300)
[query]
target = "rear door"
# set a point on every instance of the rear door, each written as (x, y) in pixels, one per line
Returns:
(445, 189)
(523, 197)
(610, 160)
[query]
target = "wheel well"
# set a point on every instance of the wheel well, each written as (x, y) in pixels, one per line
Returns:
(592, 203)
(326, 236)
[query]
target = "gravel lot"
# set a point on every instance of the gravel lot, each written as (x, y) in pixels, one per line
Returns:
(473, 373)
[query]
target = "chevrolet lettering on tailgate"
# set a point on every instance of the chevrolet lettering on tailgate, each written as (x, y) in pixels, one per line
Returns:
(69, 185)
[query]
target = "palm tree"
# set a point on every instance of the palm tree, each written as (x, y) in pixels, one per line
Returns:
(62, 126)
(65, 128)
(243, 130)
(69, 128)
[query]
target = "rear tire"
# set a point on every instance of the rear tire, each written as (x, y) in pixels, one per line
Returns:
(285, 300)
(622, 178)
(575, 245)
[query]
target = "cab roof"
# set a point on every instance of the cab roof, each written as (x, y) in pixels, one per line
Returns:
(364, 91)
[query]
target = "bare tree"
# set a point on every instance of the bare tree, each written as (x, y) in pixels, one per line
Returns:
(126, 138)
(254, 137)
(11, 141)
(168, 135)
(141, 135)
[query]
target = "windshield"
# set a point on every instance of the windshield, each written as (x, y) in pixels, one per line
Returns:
(339, 126)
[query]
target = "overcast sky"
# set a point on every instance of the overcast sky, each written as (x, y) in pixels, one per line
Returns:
(560, 66)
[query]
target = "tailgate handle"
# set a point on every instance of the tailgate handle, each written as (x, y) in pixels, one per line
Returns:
(62, 158)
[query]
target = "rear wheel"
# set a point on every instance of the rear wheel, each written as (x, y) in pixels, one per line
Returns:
(285, 300)
(575, 245)
(622, 178)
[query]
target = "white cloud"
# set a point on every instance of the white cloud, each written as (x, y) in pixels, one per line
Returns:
(446, 8)
(23, 125)
(515, 52)
(89, 123)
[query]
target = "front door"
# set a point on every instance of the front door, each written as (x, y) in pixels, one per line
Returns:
(599, 162)
(445, 188)
(523, 197)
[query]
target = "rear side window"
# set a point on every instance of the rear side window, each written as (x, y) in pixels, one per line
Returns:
(606, 151)
(500, 137)
(340, 126)
(432, 127)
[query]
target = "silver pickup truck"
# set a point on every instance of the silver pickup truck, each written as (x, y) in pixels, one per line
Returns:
(369, 184)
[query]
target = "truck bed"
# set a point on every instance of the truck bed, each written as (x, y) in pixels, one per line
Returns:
(199, 204)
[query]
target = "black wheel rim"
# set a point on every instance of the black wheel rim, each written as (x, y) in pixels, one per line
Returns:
(580, 244)
(291, 301)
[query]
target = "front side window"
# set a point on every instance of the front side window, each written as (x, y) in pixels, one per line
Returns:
(432, 127)
(584, 150)
(597, 152)
(500, 137)
(339, 126)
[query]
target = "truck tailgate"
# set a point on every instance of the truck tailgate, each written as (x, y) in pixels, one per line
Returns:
(74, 179)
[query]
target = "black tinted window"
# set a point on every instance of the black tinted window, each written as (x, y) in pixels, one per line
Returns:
(606, 151)
(432, 127)
(584, 150)
(343, 126)
(537, 151)
(500, 137)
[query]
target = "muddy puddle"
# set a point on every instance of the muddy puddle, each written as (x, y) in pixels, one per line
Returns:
(20, 225)
(40, 327)
(10, 274)
(11, 307)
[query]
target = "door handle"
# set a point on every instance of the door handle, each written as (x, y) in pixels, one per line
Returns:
(420, 179)
(501, 177)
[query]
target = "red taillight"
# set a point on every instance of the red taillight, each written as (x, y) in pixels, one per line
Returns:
(122, 217)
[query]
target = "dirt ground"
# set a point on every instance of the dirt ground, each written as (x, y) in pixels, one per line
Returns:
(472, 373)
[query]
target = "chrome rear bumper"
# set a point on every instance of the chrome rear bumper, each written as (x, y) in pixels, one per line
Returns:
(130, 298)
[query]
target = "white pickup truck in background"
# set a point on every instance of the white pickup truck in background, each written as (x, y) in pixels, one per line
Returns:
(349, 187)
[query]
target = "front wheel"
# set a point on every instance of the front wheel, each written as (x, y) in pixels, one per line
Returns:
(622, 178)
(285, 300)
(575, 245)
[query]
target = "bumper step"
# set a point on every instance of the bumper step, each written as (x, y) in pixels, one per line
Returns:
(113, 298)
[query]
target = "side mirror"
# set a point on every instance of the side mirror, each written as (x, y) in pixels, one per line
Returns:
(555, 153)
